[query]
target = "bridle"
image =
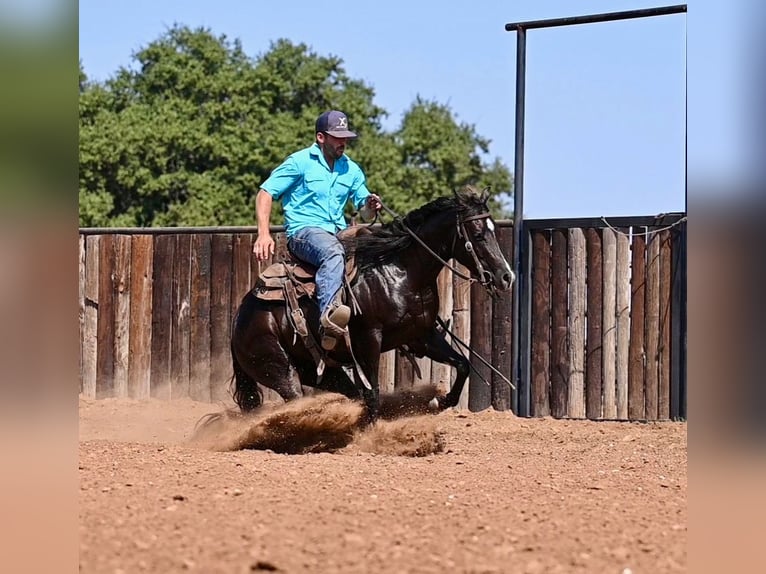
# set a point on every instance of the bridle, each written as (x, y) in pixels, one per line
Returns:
(485, 277)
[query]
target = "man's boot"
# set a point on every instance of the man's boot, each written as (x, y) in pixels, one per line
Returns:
(332, 323)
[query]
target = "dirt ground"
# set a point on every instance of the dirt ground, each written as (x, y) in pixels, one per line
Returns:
(454, 492)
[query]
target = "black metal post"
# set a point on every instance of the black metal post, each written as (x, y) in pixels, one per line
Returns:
(518, 215)
(678, 324)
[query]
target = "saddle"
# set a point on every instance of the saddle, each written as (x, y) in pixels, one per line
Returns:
(291, 280)
(272, 280)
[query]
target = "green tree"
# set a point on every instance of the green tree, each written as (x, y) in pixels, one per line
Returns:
(438, 154)
(187, 135)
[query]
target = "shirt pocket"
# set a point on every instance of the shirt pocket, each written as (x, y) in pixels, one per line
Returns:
(343, 188)
(315, 188)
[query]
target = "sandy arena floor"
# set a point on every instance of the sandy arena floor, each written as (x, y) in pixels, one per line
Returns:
(455, 492)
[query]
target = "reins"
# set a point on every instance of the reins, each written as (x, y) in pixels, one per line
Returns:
(414, 235)
(458, 340)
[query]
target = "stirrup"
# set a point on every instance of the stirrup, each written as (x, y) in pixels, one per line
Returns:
(333, 325)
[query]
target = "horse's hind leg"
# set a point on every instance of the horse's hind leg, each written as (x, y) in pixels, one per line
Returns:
(261, 361)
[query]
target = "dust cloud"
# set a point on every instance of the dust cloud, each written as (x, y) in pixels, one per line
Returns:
(328, 423)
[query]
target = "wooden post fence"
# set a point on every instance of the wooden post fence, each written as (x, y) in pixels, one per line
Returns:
(156, 308)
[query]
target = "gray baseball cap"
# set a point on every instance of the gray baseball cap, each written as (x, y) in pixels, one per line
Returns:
(334, 123)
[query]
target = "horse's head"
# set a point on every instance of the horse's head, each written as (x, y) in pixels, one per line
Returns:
(476, 246)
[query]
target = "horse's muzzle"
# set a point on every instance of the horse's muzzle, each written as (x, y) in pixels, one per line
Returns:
(503, 279)
(498, 282)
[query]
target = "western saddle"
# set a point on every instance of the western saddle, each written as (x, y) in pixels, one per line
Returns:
(291, 279)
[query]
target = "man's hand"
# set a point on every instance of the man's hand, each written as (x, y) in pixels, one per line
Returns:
(263, 246)
(373, 203)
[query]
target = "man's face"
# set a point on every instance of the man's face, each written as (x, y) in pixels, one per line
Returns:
(331, 146)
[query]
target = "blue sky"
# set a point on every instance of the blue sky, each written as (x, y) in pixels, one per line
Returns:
(605, 102)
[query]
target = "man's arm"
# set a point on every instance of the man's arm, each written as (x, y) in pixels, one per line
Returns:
(264, 243)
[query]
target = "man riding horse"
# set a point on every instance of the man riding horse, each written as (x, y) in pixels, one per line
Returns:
(314, 185)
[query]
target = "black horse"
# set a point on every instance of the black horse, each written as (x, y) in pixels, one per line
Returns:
(396, 291)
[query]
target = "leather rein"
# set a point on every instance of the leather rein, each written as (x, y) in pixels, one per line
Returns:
(485, 276)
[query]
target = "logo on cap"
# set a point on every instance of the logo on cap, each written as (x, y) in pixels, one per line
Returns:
(334, 123)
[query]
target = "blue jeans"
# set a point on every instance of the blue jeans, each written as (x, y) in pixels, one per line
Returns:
(324, 251)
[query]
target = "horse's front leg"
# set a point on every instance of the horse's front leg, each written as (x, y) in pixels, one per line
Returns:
(367, 353)
(438, 349)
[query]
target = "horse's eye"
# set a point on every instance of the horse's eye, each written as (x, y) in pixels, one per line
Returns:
(479, 229)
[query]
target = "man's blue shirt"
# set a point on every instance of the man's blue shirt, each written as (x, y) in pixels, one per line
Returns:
(313, 195)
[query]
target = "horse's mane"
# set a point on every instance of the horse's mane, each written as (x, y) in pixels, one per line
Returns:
(380, 244)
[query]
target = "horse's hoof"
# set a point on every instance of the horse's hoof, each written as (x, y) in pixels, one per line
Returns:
(445, 402)
(433, 404)
(367, 420)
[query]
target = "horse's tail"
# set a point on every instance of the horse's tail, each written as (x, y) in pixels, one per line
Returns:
(244, 389)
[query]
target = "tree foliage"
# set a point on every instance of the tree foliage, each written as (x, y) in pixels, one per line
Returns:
(187, 135)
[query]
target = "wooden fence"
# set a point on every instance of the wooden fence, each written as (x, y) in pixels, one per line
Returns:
(156, 307)
(606, 318)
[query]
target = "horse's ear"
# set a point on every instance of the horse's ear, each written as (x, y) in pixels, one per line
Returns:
(471, 194)
(467, 193)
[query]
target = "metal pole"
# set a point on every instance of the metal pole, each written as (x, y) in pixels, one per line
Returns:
(518, 213)
(595, 18)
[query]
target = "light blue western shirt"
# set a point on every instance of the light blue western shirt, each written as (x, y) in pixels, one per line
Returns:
(312, 194)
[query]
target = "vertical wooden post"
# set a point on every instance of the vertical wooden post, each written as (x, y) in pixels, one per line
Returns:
(424, 363)
(90, 327)
(594, 353)
(199, 319)
(502, 331)
(105, 327)
(162, 312)
(577, 306)
(441, 374)
(559, 325)
(220, 315)
(461, 318)
(241, 254)
(541, 309)
(636, 397)
(141, 279)
(609, 324)
(81, 304)
(386, 371)
(652, 326)
(121, 294)
(622, 333)
(663, 404)
(480, 391)
(181, 309)
(405, 373)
